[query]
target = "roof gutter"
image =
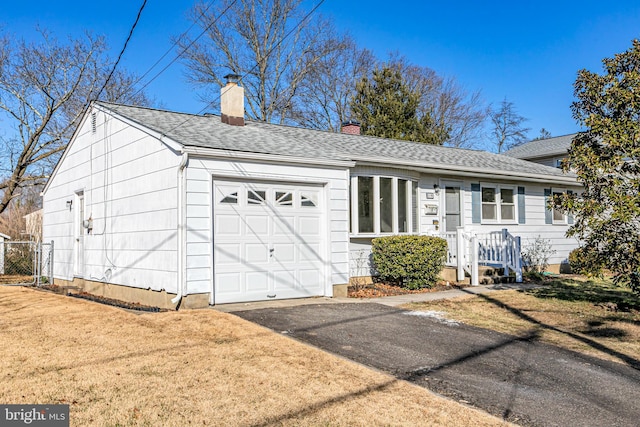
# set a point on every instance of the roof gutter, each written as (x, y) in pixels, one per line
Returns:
(245, 155)
(441, 169)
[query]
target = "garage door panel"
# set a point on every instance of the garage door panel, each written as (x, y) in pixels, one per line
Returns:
(228, 225)
(284, 226)
(310, 252)
(284, 280)
(257, 281)
(309, 226)
(227, 253)
(256, 253)
(257, 225)
(228, 283)
(284, 252)
(312, 279)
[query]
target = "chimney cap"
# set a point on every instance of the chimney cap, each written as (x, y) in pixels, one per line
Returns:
(232, 78)
(351, 123)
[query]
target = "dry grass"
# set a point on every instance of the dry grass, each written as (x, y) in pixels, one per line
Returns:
(592, 317)
(192, 368)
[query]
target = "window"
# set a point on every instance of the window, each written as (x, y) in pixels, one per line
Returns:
(255, 197)
(507, 205)
(489, 204)
(284, 198)
(365, 204)
(498, 204)
(558, 216)
(309, 199)
(382, 205)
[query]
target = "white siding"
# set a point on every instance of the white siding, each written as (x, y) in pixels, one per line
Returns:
(133, 206)
(360, 248)
(200, 175)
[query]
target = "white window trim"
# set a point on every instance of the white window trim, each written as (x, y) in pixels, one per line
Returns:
(376, 206)
(498, 203)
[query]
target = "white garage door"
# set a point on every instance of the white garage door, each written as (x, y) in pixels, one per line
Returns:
(269, 241)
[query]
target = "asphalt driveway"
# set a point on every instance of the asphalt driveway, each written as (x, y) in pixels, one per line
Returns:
(518, 379)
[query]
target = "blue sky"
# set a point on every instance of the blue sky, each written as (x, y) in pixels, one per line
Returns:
(528, 52)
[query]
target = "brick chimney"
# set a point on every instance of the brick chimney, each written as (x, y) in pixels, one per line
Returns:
(351, 127)
(232, 101)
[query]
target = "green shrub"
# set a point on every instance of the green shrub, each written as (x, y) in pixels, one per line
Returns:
(584, 260)
(411, 261)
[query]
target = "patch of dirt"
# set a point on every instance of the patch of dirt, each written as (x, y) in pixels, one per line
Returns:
(116, 303)
(375, 290)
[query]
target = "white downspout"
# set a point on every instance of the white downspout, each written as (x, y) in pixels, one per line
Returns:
(181, 230)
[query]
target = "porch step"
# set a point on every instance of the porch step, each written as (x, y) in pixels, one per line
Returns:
(493, 275)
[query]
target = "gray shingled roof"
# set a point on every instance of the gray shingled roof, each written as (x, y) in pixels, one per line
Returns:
(555, 146)
(207, 131)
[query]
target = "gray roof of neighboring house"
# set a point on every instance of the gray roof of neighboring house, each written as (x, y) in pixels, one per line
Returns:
(556, 146)
(207, 131)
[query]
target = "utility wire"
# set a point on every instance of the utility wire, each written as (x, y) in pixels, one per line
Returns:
(257, 63)
(175, 43)
(191, 116)
(113, 70)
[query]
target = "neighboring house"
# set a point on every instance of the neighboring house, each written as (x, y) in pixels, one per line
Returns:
(33, 225)
(166, 208)
(548, 152)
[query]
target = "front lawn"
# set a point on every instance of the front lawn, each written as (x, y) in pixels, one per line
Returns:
(590, 316)
(201, 367)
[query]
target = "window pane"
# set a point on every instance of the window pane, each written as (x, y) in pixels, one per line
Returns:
(488, 195)
(309, 199)
(402, 206)
(507, 195)
(284, 198)
(508, 212)
(489, 211)
(256, 197)
(414, 207)
(230, 199)
(386, 205)
(365, 204)
(558, 216)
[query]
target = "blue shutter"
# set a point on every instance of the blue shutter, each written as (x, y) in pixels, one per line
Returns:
(548, 213)
(569, 216)
(476, 204)
(521, 208)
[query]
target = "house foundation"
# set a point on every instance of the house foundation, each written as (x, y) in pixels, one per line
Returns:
(161, 299)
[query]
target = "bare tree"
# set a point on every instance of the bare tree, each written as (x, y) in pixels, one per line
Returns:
(44, 88)
(544, 134)
(452, 110)
(324, 97)
(508, 129)
(268, 42)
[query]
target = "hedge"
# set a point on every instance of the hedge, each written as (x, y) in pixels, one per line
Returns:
(413, 262)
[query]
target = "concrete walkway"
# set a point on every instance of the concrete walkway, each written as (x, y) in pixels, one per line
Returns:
(391, 301)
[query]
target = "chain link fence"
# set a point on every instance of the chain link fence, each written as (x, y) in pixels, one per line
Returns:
(26, 263)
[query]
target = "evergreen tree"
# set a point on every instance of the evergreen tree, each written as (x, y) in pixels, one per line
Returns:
(386, 107)
(605, 158)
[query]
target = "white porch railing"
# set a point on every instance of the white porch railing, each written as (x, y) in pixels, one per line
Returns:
(468, 250)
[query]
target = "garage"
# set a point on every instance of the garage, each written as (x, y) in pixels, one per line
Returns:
(269, 241)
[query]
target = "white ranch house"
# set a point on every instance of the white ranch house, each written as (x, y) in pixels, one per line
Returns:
(166, 208)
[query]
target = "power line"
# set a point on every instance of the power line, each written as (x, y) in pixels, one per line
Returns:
(257, 63)
(175, 43)
(113, 70)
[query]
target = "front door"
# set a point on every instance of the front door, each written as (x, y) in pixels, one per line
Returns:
(453, 217)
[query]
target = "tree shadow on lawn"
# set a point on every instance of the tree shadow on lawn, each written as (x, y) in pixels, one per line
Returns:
(628, 360)
(598, 293)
